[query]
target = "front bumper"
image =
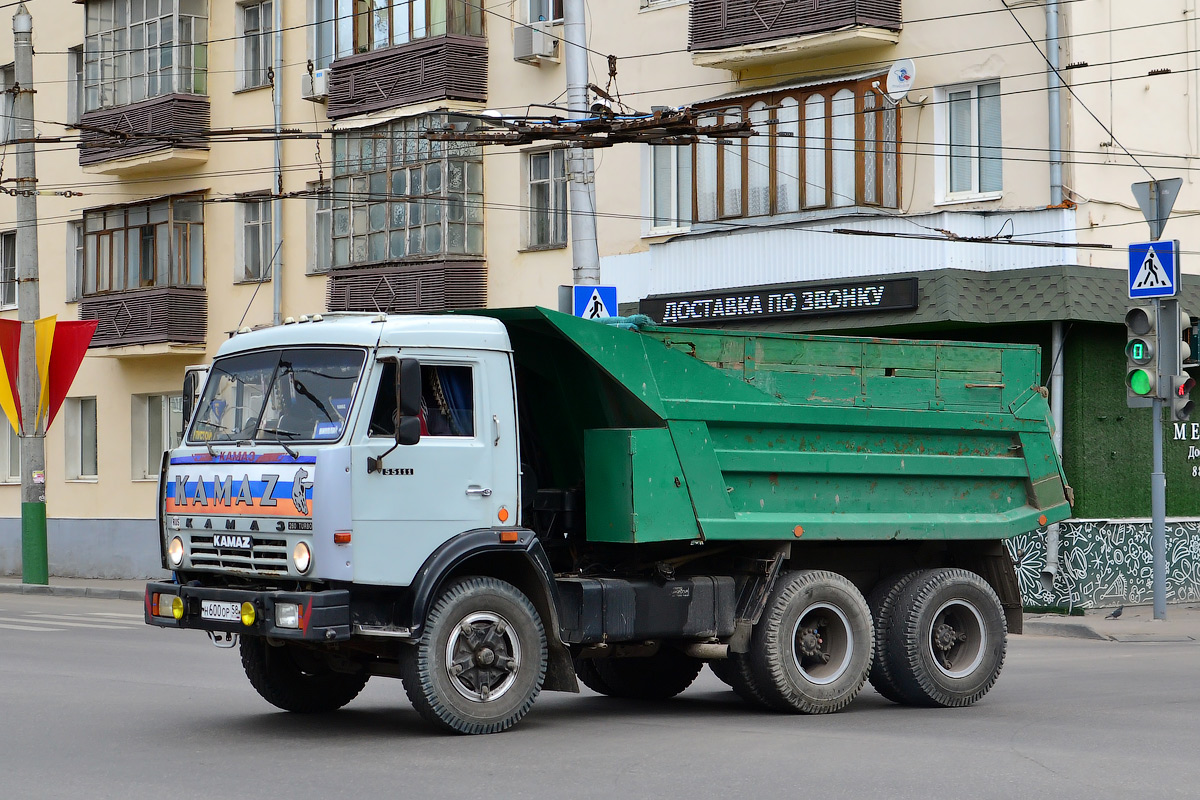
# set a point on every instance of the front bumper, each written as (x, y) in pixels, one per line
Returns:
(324, 615)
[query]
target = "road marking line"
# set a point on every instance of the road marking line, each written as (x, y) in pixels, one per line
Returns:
(84, 618)
(79, 625)
(28, 628)
(114, 614)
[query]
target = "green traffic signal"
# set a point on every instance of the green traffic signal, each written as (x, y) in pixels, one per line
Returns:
(1140, 382)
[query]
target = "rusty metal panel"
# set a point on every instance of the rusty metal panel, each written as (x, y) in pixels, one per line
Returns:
(170, 121)
(148, 316)
(401, 288)
(716, 24)
(440, 68)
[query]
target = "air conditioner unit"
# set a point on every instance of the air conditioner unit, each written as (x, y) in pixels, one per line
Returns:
(535, 43)
(316, 86)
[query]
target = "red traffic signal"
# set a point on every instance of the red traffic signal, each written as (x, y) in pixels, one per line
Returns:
(1181, 397)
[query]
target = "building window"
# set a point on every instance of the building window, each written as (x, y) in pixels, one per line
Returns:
(397, 195)
(670, 189)
(74, 84)
(8, 269)
(155, 244)
(361, 26)
(820, 147)
(75, 249)
(972, 136)
(138, 49)
(8, 123)
(157, 425)
(546, 178)
(10, 453)
(258, 244)
(256, 46)
(545, 10)
(322, 37)
(81, 456)
(320, 227)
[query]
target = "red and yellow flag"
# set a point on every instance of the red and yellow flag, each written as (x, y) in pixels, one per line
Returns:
(59, 349)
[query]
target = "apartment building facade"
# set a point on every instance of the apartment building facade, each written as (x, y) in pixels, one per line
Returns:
(181, 216)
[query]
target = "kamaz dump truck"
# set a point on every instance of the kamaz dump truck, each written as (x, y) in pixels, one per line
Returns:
(487, 505)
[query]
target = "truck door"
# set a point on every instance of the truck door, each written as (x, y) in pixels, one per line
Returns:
(462, 475)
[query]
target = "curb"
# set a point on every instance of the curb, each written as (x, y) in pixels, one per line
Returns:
(71, 591)
(1072, 630)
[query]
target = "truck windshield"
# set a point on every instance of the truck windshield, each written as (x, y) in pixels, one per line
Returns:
(284, 395)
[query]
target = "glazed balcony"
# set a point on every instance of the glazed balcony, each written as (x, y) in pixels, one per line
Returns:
(731, 34)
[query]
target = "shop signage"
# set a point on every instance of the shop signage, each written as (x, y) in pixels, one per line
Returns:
(757, 303)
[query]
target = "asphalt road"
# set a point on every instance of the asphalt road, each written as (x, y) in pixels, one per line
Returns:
(94, 704)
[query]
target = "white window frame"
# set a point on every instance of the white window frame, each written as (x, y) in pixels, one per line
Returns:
(74, 85)
(255, 75)
(10, 453)
(78, 467)
(942, 146)
(534, 13)
(144, 460)
(322, 19)
(320, 228)
(8, 269)
(558, 194)
(260, 220)
(74, 260)
(677, 160)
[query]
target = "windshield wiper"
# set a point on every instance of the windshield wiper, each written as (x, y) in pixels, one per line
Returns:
(281, 442)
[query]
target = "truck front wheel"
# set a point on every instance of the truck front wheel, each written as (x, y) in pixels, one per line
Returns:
(481, 661)
(294, 679)
(812, 649)
(947, 640)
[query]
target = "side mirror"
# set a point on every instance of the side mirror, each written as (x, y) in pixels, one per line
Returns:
(408, 431)
(189, 394)
(408, 387)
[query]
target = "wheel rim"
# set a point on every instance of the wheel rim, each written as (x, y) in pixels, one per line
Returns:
(957, 638)
(822, 643)
(483, 656)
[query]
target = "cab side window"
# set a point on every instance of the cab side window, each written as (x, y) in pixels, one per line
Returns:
(447, 402)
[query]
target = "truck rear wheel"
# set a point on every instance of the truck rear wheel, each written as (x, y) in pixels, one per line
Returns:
(742, 681)
(293, 679)
(658, 677)
(812, 650)
(946, 645)
(481, 661)
(585, 670)
(882, 602)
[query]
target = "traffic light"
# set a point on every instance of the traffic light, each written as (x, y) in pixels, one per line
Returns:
(1181, 397)
(1141, 355)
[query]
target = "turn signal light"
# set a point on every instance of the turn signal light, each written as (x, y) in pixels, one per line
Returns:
(341, 537)
(510, 537)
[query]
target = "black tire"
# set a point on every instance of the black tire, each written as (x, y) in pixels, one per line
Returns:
(723, 670)
(585, 670)
(658, 677)
(812, 649)
(882, 602)
(481, 660)
(743, 682)
(947, 642)
(293, 679)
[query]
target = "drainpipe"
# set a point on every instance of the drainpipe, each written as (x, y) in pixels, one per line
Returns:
(277, 201)
(1054, 82)
(1050, 570)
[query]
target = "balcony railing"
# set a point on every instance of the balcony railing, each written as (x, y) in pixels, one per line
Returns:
(160, 315)
(401, 288)
(718, 24)
(174, 121)
(439, 68)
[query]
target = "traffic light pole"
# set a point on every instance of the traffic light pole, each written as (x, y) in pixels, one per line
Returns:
(1158, 515)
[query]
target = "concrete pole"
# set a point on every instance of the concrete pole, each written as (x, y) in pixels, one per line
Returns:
(34, 557)
(1053, 96)
(277, 202)
(585, 255)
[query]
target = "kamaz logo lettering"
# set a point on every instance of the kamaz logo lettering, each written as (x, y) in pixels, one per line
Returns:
(223, 493)
(236, 542)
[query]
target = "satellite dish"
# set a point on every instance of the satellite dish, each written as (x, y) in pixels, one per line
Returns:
(900, 79)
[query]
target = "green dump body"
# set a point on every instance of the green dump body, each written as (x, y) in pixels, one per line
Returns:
(680, 434)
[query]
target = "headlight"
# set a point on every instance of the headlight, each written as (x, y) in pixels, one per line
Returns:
(287, 615)
(301, 557)
(175, 552)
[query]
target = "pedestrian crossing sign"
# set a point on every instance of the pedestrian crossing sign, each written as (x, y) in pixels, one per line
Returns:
(594, 302)
(1154, 269)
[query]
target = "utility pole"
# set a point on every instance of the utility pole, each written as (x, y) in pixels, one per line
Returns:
(585, 255)
(34, 558)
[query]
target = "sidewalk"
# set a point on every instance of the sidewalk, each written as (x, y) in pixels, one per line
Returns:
(100, 588)
(1135, 624)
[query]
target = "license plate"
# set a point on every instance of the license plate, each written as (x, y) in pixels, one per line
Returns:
(219, 609)
(232, 541)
